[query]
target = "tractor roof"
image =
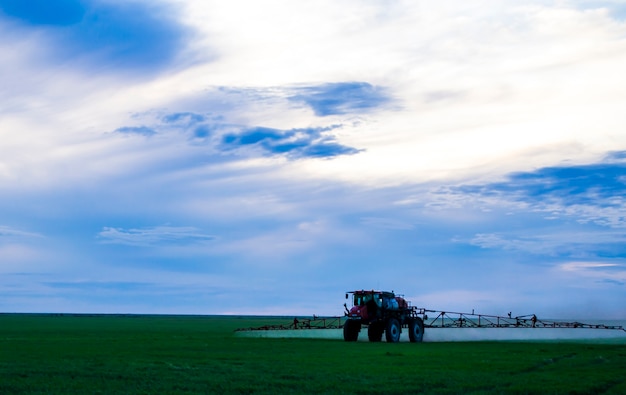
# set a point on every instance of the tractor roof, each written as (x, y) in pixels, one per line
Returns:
(372, 292)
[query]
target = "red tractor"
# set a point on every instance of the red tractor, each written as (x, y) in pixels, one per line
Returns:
(382, 312)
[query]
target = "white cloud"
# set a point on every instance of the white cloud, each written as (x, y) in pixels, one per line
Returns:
(602, 273)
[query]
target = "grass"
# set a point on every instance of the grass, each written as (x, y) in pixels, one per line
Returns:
(47, 354)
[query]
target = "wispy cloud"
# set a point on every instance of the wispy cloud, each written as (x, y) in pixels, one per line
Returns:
(118, 286)
(601, 272)
(387, 223)
(154, 236)
(593, 193)
(578, 266)
(597, 183)
(560, 242)
(142, 130)
(297, 143)
(184, 118)
(7, 231)
(616, 8)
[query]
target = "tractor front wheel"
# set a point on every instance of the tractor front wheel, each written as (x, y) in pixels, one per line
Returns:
(351, 330)
(392, 334)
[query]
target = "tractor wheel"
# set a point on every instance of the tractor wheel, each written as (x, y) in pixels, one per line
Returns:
(351, 330)
(416, 330)
(392, 334)
(375, 331)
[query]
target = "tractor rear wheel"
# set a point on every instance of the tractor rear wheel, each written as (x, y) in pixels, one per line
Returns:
(351, 330)
(392, 334)
(416, 330)
(375, 331)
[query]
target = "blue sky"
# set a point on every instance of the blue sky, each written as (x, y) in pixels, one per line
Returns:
(209, 157)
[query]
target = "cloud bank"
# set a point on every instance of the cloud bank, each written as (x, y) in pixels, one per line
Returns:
(233, 157)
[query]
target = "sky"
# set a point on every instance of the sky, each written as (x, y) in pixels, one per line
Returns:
(248, 157)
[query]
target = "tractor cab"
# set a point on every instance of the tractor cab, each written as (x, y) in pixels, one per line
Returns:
(367, 305)
(363, 298)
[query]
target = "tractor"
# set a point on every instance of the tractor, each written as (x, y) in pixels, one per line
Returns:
(381, 311)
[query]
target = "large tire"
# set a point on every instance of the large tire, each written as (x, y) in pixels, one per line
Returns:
(392, 334)
(375, 331)
(351, 330)
(416, 330)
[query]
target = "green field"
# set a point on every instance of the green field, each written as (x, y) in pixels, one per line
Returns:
(68, 354)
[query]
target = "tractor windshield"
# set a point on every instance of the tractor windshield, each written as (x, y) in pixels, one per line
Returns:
(362, 299)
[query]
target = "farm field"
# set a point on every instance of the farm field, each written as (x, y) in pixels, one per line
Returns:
(108, 354)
